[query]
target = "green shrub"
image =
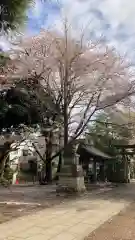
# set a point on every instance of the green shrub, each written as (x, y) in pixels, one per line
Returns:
(8, 174)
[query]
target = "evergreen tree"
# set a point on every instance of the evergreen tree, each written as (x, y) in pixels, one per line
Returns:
(13, 13)
(105, 134)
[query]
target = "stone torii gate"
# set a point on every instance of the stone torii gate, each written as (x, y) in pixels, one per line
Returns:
(125, 156)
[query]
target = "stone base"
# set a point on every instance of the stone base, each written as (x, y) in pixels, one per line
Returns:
(71, 179)
(71, 184)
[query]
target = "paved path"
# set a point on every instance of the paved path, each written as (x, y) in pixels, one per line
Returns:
(71, 220)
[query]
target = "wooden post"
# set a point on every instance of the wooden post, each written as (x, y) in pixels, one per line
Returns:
(95, 170)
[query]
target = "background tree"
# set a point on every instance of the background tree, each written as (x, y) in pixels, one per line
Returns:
(13, 13)
(104, 133)
(27, 103)
(16, 108)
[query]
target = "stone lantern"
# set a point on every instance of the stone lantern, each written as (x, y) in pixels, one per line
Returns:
(71, 176)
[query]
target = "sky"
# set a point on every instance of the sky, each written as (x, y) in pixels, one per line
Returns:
(111, 20)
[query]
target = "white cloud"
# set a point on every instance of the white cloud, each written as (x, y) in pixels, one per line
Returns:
(119, 11)
(113, 19)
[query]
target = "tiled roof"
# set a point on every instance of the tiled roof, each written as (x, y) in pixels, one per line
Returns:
(93, 151)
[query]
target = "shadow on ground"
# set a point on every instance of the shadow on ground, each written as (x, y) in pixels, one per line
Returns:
(46, 195)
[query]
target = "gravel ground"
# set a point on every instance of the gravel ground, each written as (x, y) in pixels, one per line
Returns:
(10, 211)
(120, 227)
(23, 200)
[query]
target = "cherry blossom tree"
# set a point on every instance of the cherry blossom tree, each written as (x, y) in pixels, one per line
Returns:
(79, 79)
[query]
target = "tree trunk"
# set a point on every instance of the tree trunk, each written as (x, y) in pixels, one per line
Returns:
(66, 86)
(65, 118)
(49, 145)
(59, 166)
(3, 163)
(48, 171)
(4, 155)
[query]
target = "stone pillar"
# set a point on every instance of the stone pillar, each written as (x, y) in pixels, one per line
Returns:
(126, 170)
(14, 178)
(71, 177)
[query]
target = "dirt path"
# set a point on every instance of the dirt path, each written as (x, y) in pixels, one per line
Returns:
(121, 227)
